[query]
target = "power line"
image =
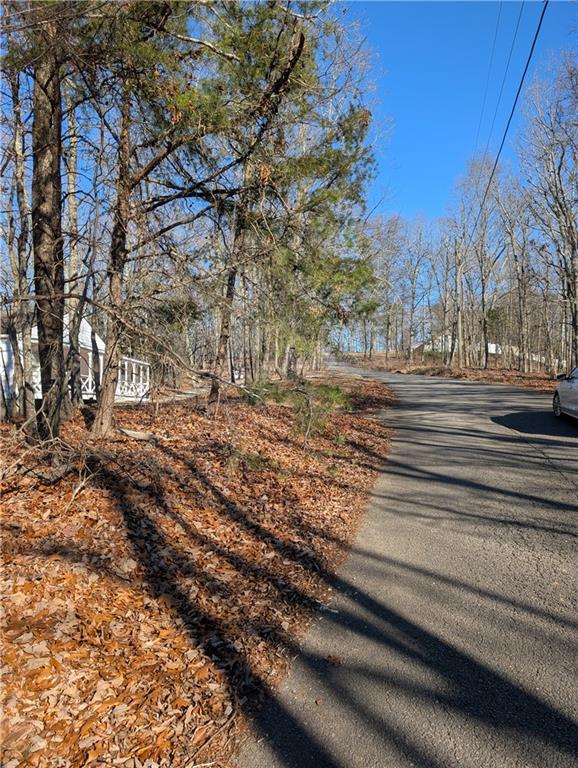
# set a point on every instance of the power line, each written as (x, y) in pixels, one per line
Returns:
(520, 86)
(488, 76)
(504, 80)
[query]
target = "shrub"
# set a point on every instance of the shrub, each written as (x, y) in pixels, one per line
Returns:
(311, 403)
(261, 391)
(248, 459)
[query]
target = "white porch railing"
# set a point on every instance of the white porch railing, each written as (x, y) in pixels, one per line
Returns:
(87, 386)
(36, 383)
(134, 380)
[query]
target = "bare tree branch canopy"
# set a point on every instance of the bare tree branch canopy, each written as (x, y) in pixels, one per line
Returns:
(216, 160)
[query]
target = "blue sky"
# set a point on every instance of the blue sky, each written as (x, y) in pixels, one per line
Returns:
(429, 67)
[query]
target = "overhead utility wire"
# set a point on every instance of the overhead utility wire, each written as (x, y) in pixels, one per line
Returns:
(520, 86)
(488, 76)
(485, 153)
(503, 80)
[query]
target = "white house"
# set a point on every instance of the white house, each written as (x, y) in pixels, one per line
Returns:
(134, 376)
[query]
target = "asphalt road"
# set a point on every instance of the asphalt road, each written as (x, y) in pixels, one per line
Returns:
(455, 618)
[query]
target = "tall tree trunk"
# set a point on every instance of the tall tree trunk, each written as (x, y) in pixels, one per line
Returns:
(224, 333)
(485, 359)
(291, 363)
(47, 233)
(522, 311)
(75, 304)
(485, 343)
(371, 341)
(246, 365)
(118, 253)
(24, 315)
(458, 341)
(14, 406)
(276, 349)
(411, 329)
(387, 334)
(573, 297)
(239, 237)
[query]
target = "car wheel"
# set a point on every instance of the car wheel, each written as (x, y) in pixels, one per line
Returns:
(556, 405)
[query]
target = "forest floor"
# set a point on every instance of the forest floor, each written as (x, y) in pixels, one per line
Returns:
(537, 380)
(152, 595)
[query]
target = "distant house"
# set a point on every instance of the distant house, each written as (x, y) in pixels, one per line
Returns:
(134, 376)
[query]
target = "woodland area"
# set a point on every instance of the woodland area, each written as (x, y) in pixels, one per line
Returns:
(187, 176)
(191, 179)
(495, 282)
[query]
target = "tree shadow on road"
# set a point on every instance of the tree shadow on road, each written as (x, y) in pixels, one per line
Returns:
(466, 688)
(472, 694)
(426, 669)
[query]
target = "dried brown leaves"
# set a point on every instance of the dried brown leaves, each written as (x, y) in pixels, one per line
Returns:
(151, 596)
(537, 380)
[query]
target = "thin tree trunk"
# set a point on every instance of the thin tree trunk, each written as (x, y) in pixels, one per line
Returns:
(225, 331)
(231, 363)
(573, 298)
(291, 363)
(484, 325)
(118, 252)
(19, 256)
(239, 237)
(75, 304)
(14, 407)
(386, 334)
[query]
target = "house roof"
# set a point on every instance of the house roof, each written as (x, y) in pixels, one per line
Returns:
(84, 336)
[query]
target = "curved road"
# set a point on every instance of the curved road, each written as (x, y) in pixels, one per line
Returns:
(455, 618)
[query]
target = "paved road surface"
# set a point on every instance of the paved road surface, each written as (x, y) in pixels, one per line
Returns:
(456, 614)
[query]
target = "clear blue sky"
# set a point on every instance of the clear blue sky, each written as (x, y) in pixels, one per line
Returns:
(429, 67)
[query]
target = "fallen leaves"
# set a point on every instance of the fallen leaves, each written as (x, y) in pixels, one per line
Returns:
(537, 380)
(151, 600)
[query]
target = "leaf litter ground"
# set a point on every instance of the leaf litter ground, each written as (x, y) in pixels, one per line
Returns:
(537, 380)
(154, 595)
